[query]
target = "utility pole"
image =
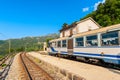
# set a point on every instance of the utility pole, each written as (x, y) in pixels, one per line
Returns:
(9, 46)
(25, 47)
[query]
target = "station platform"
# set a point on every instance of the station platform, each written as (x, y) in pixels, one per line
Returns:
(87, 71)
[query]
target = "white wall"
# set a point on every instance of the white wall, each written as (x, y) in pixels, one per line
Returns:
(67, 33)
(86, 25)
(83, 26)
(61, 49)
(74, 31)
(61, 35)
(112, 51)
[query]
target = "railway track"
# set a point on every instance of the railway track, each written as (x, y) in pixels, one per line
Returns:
(4, 71)
(31, 71)
(4, 59)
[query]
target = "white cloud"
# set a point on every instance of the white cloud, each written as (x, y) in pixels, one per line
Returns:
(103, 1)
(96, 4)
(85, 9)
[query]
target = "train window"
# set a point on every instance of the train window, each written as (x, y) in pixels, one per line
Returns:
(64, 43)
(59, 44)
(49, 44)
(53, 44)
(79, 42)
(91, 40)
(110, 39)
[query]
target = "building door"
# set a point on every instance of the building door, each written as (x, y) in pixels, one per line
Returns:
(70, 46)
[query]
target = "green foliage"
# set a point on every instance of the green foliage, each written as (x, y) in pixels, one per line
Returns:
(107, 13)
(47, 41)
(64, 25)
(24, 44)
(3, 65)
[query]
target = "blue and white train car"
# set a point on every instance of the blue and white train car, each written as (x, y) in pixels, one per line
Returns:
(58, 46)
(101, 44)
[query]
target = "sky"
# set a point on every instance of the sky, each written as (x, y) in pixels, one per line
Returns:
(21, 18)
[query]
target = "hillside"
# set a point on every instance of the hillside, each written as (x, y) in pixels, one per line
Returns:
(107, 13)
(26, 43)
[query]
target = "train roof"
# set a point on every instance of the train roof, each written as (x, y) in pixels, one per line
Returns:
(62, 38)
(104, 29)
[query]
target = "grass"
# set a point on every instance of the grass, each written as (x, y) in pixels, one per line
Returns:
(3, 65)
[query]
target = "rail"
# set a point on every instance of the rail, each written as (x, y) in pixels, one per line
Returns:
(33, 70)
(4, 73)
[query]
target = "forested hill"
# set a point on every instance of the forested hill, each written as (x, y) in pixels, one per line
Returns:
(107, 13)
(28, 43)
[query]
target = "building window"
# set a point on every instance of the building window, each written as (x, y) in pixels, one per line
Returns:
(64, 43)
(59, 44)
(109, 39)
(91, 40)
(79, 42)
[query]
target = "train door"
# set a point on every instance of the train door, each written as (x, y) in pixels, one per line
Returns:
(70, 46)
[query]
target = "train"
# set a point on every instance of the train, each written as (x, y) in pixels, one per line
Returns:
(102, 44)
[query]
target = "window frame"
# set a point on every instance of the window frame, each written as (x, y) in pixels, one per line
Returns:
(64, 43)
(110, 38)
(92, 40)
(82, 41)
(58, 44)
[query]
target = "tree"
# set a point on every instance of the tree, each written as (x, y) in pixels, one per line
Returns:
(64, 25)
(107, 13)
(47, 41)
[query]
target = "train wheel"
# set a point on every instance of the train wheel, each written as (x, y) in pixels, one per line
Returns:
(87, 59)
(58, 55)
(68, 56)
(73, 57)
(101, 62)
